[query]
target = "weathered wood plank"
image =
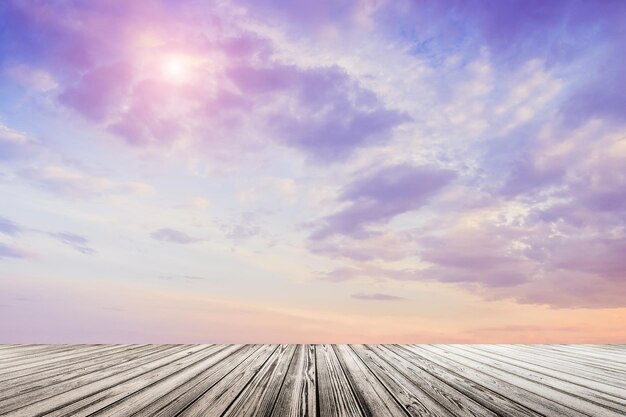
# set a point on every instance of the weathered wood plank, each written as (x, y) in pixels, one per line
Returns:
(374, 398)
(217, 399)
(605, 400)
(297, 397)
(335, 394)
(62, 363)
(436, 387)
(573, 360)
(57, 396)
(259, 396)
(559, 364)
(47, 377)
(535, 371)
(133, 394)
(10, 362)
(183, 395)
(312, 380)
(504, 389)
(409, 394)
(606, 360)
(555, 397)
(22, 351)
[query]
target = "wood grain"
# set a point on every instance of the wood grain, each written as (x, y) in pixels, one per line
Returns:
(312, 380)
(297, 397)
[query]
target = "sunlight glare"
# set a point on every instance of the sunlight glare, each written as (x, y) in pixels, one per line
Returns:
(175, 68)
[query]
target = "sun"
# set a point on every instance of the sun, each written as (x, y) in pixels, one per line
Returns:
(175, 68)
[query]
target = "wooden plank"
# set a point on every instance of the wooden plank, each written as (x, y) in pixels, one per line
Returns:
(259, 396)
(555, 397)
(53, 387)
(612, 347)
(24, 350)
(441, 390)
(33, 374)
(58, 361)
(374, 398)
(585, 355)
(415, 401)
(542, 370)
(57, 396)
(217, 399)
(559, 364)
(602, 350)
(54, 376)
(312, 380)
(573, 359)
(504, 389)
(297, 397)
(172, 403)
(606, 400)
(111, 401)
(31, 361)
(130, 400)
(47, 353)
(336, 397)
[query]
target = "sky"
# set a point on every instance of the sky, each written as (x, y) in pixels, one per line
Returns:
(352, 171)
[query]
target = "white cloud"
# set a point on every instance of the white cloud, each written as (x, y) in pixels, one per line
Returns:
(74, 183)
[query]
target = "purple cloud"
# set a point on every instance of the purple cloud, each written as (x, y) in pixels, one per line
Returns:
(99, 90)
(187, 278)
(241, 232)
(485, 256)
(382, 195)
(376, 297)
(335, 115)
(11, 252)
(372, 272)
(524, 176)
(77, 242)
(303, 14)
(602, 256)
(174, 236)
(107, 78)
(9, 227)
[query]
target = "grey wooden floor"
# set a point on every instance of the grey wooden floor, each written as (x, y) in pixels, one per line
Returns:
(313, 380)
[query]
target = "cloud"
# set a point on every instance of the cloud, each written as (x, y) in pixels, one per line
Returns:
(235, 82)
(372, 272)
(242, 232)
(376, 297)
(186, 278)
(383, 246)
(490, 256)
(333, 114)
(74, 183)
(76, 242)
(7, 251)
(382, 195)
(9, 227)
(99, 91)
(30, 77)
(242, 229)
(174, 236)
(13, 143)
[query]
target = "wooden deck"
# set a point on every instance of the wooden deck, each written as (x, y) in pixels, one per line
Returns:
(313, 380)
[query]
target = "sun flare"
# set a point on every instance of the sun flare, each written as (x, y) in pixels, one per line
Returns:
(175, 68)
